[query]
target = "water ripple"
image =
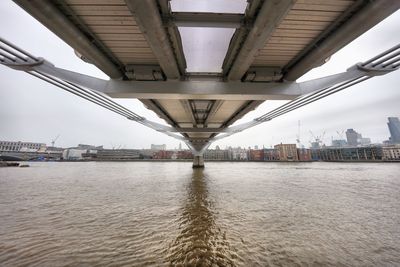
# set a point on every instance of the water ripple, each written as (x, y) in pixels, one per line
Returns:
(166, 214)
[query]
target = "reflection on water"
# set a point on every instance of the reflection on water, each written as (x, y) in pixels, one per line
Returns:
(200, 240)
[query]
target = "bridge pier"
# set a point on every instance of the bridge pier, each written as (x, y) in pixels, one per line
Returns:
(198, 162)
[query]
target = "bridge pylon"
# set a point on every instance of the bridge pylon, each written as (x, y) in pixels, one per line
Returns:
(198, 161)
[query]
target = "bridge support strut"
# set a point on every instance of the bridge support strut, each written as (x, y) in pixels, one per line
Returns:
(198, 162)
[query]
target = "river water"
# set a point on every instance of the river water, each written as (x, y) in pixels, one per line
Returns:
(229, 214)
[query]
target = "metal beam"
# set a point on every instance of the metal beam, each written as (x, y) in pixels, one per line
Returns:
(215, 107)
(200, 130)
(239, 36)
(174, 36)
(176, 45)
(148, 17)
(270, 15)
(186, 106)
(47, 13)
(373, 13)
(210, 90)
(154, 106)
(206, 19)
(246, 108)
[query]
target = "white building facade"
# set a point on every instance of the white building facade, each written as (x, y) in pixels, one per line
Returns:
(391, 153)
(18, 146)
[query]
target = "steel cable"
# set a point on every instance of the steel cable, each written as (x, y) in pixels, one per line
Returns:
(75, 92)
(310, 98)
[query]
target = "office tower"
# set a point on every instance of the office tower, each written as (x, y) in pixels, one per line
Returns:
(394, 128)
(352, 137)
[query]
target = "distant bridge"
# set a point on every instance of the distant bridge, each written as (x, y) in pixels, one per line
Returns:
(137, 44)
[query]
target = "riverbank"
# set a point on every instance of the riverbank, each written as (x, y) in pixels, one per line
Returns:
(9, 164)
(208, 160)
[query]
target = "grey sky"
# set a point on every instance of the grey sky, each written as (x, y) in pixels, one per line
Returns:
(32, 110)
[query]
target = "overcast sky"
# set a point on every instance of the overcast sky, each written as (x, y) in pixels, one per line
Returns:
(32, 110)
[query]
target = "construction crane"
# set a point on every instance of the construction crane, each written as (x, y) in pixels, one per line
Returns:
(54, 140)
(340, 134)
(298, 140)
(340, 142)
(321, 138)
(318, 140)
(115, 146)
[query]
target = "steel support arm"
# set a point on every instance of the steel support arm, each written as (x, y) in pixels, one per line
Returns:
(216, 90)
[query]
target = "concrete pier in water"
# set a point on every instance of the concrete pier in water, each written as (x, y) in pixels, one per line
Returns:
(198, 162)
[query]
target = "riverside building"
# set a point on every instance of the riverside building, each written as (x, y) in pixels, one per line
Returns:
(270, 154)
(391, 153)
(287, 152)
(352, 137)
(256, 155)
(367, 153)
(118, 154)
(158, 147)
(12, 146)
(217, 154)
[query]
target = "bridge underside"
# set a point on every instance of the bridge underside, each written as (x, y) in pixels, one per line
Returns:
(138, 42)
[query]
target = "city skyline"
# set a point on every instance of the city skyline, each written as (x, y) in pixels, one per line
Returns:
(113, 145)
(19, 151)
(349, 138)
(33, 110)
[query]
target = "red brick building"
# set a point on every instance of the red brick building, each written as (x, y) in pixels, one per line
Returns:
(256, 154)
(163, 154)
(304, 154)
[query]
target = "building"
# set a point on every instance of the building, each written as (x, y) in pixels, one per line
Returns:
(271, 154)
(147, 153)
(339, 143)
(287, 152)
(158, 147)
(81, 152)
(364, 141)
(54, 149)
(217, 154)
(238, 153)
(163, 154)
(394, 129)
(367, 153)
(18, 146)
(352, 137)
(184, 154)
(304, 154)
(315, 145)
(355, 139)
(117, 154)
(256, 155)
(90, 147)
(391, 153)
(74, 153)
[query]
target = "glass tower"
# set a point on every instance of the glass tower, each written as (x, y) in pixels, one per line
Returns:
(394, 128)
